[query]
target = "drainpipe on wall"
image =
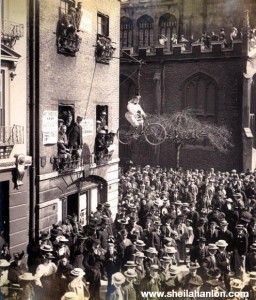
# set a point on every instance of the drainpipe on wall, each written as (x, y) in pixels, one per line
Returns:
(33, 109)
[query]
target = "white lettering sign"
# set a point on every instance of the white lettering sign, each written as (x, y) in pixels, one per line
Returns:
(50, 127)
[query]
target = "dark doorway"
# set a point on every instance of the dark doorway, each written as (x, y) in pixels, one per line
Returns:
(4, 209)
(72, 205)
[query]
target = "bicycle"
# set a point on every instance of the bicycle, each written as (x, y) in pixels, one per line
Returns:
(154, 133)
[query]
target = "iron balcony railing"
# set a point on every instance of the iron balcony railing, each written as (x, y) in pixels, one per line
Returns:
(11, 135)
(11, 32)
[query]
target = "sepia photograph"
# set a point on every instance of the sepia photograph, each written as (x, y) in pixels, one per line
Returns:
(127, 152)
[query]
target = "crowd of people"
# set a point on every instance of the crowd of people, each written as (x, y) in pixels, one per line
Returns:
(206, 39)
(174, 230)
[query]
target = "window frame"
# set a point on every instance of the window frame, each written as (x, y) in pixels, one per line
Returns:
(102, 31)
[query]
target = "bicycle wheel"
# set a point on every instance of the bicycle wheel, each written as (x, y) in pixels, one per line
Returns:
(123, 134)
(155, 134)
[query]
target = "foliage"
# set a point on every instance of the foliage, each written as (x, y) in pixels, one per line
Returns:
(183, 127)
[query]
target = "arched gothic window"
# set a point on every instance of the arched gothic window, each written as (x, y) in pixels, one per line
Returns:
(200, 94)
(146, 26)
(167, 27)
(126, 32)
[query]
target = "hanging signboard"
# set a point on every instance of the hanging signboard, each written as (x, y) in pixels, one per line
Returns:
(50, 127)
(87, 125)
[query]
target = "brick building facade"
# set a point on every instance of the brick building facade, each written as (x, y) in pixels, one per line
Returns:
(57, 64)
(187, 75)
(68, 81)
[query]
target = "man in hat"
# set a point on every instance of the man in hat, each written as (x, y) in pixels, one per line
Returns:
(78, 284)
(93, 265)
(210, 262)
(137, 246)
(140, 269)
(226, 235)
(151, 258)
(63, 149)
(17, 267)
(223, 261)
(133, 226)
(128, 287)
(99, 213)
(115, 291)
(198, 253)
(199, 230)
(75, 138)
(213, 282)
(151, 282)
(240, 245)
(112, 263)
(212, 233)
(63, 274)
(100, 146)
(164, 272)
(156, 238)
(251, 259)
(192, 281)
(103, 234)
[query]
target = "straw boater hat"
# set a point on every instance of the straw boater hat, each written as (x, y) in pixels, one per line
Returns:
(212, 247)
(140, 243)
(236, 283)
(193, 265)
(4, 263)
(130, 263)
(118, 278)
(27, 276)
(252, 275)
(130, 273)
(221, 243)
(152, 250)
(46, 248)
(170, 250)
(139, 254)
(70, 296)
(61, 239)
(77, 272)
(165, 259)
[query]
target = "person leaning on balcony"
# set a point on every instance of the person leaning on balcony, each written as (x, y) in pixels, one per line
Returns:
(63, 149)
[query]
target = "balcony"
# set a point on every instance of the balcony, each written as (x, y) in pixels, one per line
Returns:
(9, 136)
(11, 32)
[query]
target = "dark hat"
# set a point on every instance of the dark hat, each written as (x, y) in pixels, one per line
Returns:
(44, 235)
(79, 118)
(54, 232)
(19, 255)
(214, 274)
(100, 206)
(80, 237)
(96, 242)
(122, 221)
(201, 240)
(48, 255)
(202, 221)
(196, 280)
(123, 232)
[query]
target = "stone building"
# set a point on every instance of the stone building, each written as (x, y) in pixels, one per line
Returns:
(180, 70)
(14, 151)
(60, 89)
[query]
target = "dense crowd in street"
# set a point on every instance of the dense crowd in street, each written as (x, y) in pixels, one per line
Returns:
(202, 221)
